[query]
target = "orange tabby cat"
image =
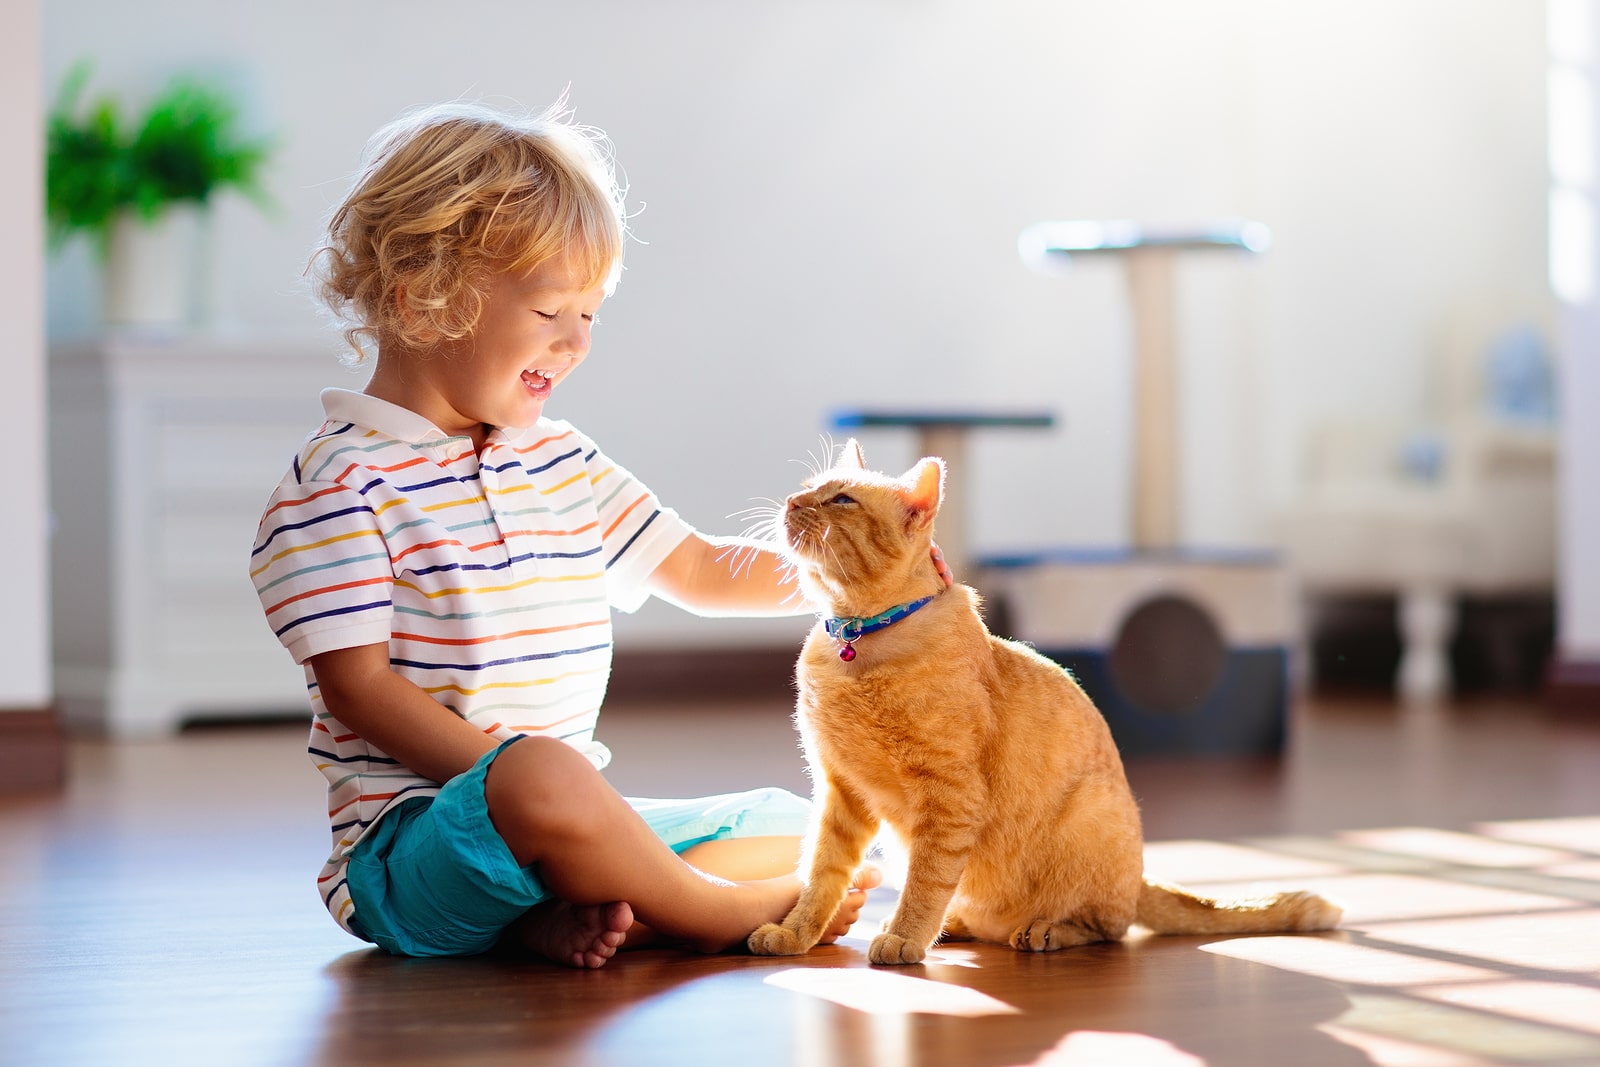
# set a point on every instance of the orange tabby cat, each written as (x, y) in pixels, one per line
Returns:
(984, 757)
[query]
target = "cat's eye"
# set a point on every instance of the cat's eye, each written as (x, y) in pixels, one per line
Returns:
(843, 498)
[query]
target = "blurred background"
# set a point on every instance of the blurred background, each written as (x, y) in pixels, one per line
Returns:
(829, 198)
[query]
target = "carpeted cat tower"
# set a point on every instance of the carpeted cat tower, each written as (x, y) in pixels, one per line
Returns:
(1184, 651)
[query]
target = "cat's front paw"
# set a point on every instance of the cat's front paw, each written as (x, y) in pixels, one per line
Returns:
(894, 949)
(775, 940)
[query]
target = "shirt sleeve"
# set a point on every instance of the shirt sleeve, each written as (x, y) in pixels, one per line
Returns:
(637, 533)
(322, 570)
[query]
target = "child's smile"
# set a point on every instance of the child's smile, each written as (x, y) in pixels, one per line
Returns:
(539, 383)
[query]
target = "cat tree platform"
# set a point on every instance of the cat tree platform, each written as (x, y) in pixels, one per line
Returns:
(1185, 653)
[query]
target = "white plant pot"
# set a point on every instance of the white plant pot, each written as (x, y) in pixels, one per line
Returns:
(151, 270)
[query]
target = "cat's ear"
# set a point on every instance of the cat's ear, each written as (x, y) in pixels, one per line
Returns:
(925, 488)
(850, 457)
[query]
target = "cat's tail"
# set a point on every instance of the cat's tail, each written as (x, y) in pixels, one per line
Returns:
(1171, 909)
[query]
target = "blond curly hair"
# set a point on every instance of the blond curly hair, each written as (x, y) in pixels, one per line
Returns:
(452, 195)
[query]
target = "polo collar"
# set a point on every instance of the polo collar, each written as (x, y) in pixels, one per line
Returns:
(402, 424)
(391, 420)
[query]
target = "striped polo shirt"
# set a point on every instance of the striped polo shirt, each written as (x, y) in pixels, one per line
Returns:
(490, 577)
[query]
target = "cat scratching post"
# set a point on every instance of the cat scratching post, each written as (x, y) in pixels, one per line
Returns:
(1150, 257)
(1183, 651)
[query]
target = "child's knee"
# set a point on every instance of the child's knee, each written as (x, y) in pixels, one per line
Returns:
(540, 787)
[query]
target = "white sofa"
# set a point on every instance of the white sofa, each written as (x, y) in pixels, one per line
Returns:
(1428, 514)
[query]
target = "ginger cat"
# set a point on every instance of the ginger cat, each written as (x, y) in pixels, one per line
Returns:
(987, 759)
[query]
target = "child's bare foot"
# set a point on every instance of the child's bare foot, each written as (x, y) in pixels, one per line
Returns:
(577, 936)
(868, 877)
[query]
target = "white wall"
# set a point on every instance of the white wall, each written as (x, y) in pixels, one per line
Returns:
(833, 192)
(25, 619)
(1579, 621)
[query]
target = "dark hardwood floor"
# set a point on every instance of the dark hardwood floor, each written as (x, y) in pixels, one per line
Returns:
(161, 911)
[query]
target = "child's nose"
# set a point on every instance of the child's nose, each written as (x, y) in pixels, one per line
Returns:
(575, 339)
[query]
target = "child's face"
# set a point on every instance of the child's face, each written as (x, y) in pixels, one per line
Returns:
(533, 331)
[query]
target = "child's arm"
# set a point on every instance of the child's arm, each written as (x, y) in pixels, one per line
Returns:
(360, 690)
(728, 576)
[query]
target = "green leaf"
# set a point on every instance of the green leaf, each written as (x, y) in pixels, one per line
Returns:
(186, 148)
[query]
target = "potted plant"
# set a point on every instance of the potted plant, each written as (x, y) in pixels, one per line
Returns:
(138, 190)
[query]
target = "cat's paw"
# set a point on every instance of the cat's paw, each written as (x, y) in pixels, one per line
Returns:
(775, 940)
(894, 949)
(1046, 935)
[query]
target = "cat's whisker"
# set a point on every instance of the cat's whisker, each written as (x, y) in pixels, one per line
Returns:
(791, 575)
(742, 553)
(759, 531)
(765, 506)
(814, 464)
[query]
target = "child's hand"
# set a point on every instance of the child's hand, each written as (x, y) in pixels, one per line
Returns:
(941, 566)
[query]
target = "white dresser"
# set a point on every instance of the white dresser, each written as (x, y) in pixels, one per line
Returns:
(162, 456)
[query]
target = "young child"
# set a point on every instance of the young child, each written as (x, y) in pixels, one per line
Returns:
(442, 559)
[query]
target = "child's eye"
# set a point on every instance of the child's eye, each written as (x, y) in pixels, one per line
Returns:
(545, 315)
(843, 498)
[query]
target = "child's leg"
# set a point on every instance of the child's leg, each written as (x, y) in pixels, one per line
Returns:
(590, 935)
(742, 858)
(554, 809)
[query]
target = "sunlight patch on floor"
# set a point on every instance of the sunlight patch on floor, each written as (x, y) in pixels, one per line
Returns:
(1199, 862)
(1342, 854)
(885, 993)
(1559, 941)
(1579, 833)
(1574, 1007)
(1341, 961)
(1399, 1021)
(1449, 846)
(1098, 1048)
(1371, 898)
(1386, 1051)
(1583, 871)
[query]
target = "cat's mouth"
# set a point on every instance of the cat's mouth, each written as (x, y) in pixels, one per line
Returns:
(800, 534)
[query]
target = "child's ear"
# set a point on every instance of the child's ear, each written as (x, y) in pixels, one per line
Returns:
(410, 318)
(850, 456)
(924, 488)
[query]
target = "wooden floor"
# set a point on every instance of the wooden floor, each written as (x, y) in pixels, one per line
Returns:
(161, 911)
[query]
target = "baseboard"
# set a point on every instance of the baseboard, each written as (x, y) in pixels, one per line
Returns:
(710, 674)
(1573, 685)
(33, 750)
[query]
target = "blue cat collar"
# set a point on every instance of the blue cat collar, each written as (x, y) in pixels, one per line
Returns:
(850, 629)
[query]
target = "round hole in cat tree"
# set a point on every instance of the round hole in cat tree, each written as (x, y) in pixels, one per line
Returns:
(1168, 656)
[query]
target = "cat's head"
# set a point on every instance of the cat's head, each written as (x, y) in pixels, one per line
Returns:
(860, 538)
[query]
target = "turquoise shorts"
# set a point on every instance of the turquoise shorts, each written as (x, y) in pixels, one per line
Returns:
(434, 877)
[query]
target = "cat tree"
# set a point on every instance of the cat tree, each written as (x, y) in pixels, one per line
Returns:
(1183, 650)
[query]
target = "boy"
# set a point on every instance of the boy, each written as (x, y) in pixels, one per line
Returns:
(442, 558)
